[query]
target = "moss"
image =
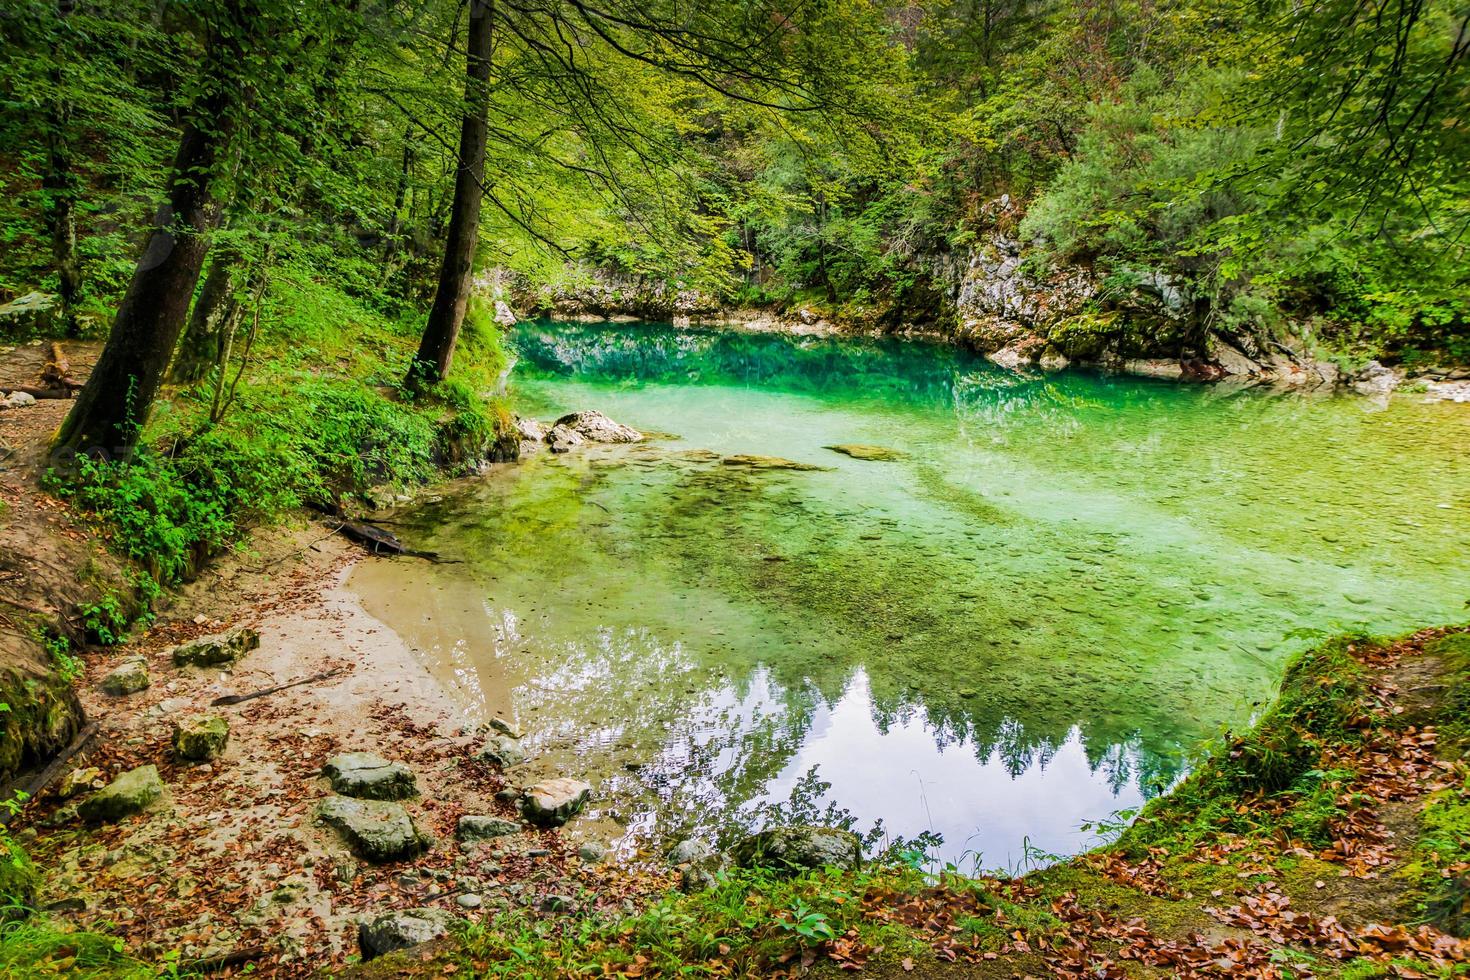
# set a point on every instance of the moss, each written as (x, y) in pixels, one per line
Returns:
(1441, 866)
(18, 878)
(43, 715)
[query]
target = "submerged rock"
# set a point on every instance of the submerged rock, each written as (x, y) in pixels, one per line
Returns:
(370, 777)
(132, 792)
(219, 650)
(555, 801)
(201, 737)
(598, 427)
(400, 930)
(478, 828)
(376, 830)
(795, 849)
(754, 462)
(128, 677)
(874, 454)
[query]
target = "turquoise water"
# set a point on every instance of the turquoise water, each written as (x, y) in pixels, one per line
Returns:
(1064, 584)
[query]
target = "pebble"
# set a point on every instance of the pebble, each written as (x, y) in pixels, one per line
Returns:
(468, 901)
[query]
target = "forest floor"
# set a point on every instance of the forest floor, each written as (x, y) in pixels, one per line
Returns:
(1332, 840)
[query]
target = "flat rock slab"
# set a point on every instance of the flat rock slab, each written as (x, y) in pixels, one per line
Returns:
(370, 777)
(219, 650)
(400, 930)
(794, 849)
(555, 801)
(376, 830)
(752, 462)
(200, 738)
(132, 792)
(476, 828)
(871, 454)
(128, 677)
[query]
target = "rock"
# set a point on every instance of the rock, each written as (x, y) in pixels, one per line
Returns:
(767, 463)
(468, 901)
(555, 801)
(1375, 379)
(562, 439)
(77, 781)
(476, 828)
(689, 851)
(376, 830)
(219, 650)
(201, 737)
(400, 930)
(504, 315)
(1230, 359)
(505, 728)
(132, 792)
(874, 454)
(597, 427)
(795, 849)
(699, 877)
(18, 399)
(593, 852)
(530, 429)
(35, 312)
(1154, 368)
(502, 751)
(1053, 360)
(558, 903)
(370, 777)
(128, 677)
(1012, 356)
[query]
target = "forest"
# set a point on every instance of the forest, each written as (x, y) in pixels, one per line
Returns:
(1029, 538)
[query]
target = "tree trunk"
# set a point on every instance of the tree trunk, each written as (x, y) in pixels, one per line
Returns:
(110, 411)
(436, 351)
(216, 313)
(60, 187)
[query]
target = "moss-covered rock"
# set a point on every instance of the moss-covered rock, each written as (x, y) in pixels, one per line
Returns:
(219, 650)
(132, 792)
(128, 677)
(200, 738)
(42, 717)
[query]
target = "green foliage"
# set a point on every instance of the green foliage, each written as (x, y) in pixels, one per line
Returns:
(1441, 860)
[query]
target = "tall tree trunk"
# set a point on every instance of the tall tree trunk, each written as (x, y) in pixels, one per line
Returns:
(60, 187)
(436, 351)
(216, 313)
(110, 411)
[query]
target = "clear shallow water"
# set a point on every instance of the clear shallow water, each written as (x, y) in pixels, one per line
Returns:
(1024, 624)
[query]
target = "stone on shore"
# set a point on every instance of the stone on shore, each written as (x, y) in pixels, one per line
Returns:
(562, 439)
(477, 828)
(794, 849)
(871, 454)
(370, 777)
(502, 751)
(596, 427)
(689, 851)
(555, 801)
(219, 650)
(132, 792)
(200, 738)
(376, 830)
(128, 677)
(402, 929)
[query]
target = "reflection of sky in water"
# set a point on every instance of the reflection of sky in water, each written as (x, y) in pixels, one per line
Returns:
(1068, 581)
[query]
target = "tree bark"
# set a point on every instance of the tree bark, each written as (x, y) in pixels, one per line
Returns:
(111, 409)
(436, 351)
(60, 187)
(216, 314)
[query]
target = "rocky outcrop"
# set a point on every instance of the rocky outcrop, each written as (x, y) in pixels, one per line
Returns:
(562, 439)
(597, 427)
(370, 777)
(132, 792)
(555, 801)
(376, 830)
(598, 294)
(791, 850)
(200, 738)
(34, 313)
(219, 650)
(402, 930)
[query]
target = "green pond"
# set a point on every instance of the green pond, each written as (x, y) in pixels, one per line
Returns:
(1026, 620)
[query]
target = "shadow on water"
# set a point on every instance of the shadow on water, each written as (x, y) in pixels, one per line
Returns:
(1023, 624)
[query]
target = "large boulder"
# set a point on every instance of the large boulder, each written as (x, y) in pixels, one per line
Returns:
(200, 738)
(370, 777)
(376, 830)
(132, 792)
(402, 929)
(599, 428)
(477, 828)
(792, 850)
(555, 801)
(128, 677)
(33, 313)
(219, 650)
